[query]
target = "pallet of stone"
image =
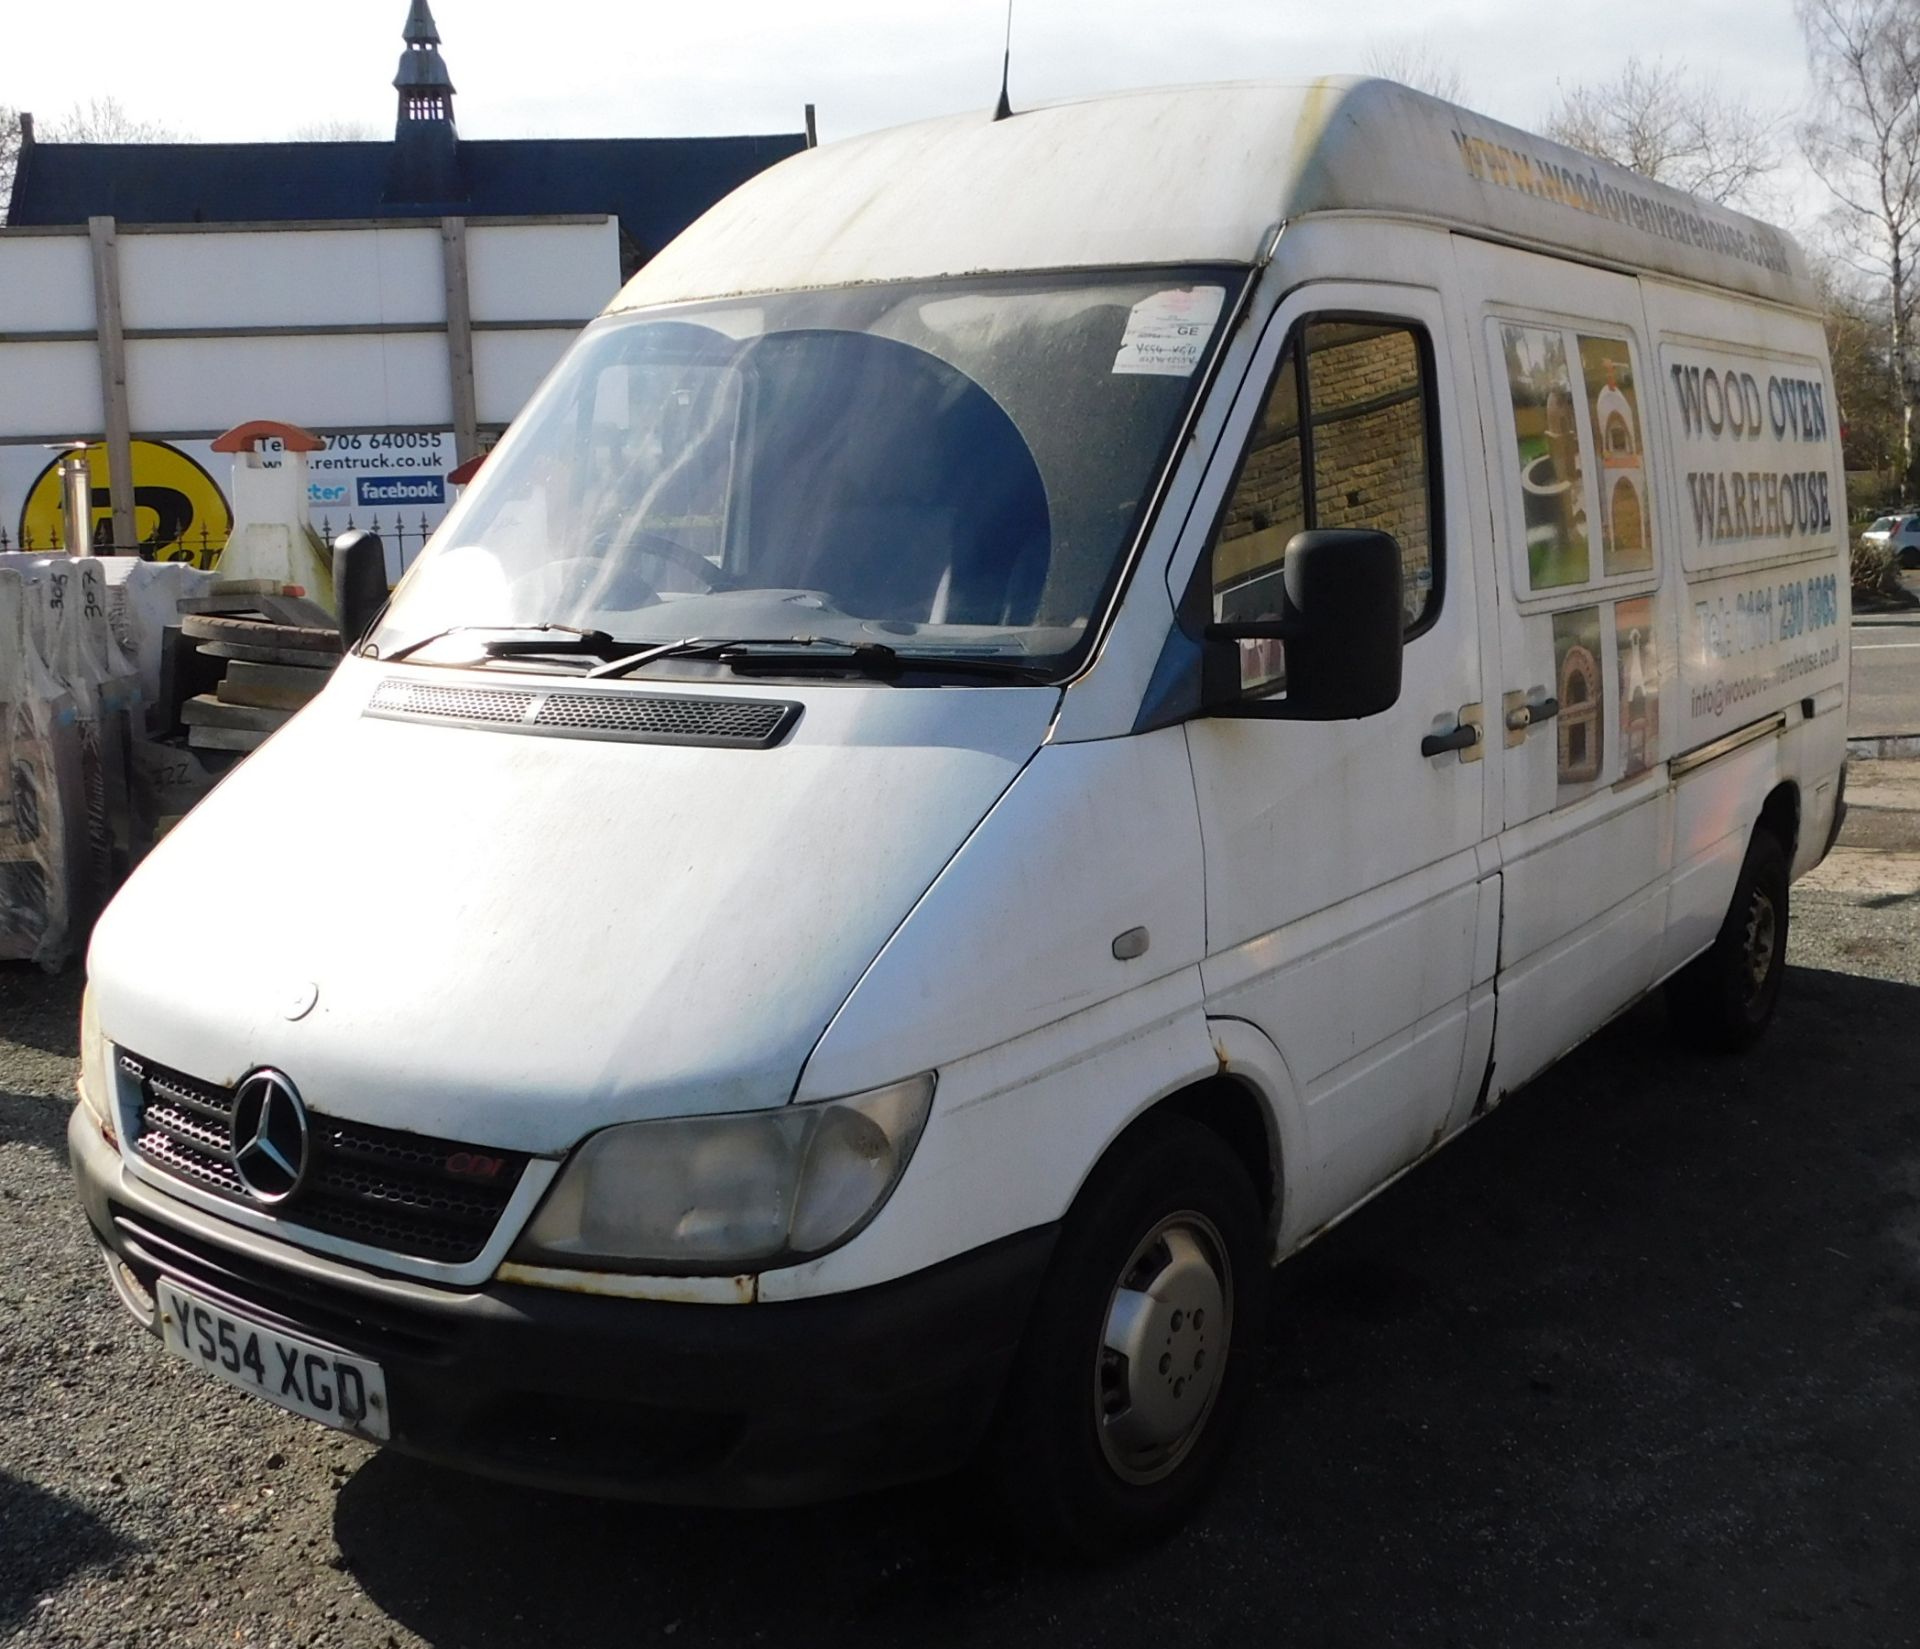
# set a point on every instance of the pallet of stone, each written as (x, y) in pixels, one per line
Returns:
(276, 603)
(270, 686)
(215, 725)
(217, 632)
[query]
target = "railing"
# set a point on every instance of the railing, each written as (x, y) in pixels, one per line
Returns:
(200, 550)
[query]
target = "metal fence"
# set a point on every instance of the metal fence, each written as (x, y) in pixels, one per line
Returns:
(200, 550)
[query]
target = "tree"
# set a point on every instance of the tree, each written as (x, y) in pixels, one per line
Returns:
(9, 155)
(1859, 340)
(337, 131)
(1414, 62)
(1865, 147)
(103, 120)
(1659, 121)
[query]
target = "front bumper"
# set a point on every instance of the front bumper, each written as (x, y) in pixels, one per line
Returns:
(763, 1404)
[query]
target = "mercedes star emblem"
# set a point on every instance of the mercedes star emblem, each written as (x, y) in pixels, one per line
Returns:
(270, 1138)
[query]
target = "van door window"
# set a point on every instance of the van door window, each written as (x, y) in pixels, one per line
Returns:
(1365, 445)
(1371, 468)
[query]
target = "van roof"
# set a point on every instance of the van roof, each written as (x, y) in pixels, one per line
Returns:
(1192, 174)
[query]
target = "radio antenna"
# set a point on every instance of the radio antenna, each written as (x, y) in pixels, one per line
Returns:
(1002, 109)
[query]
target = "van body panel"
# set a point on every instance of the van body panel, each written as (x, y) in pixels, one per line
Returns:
(1005, 1120)
(1619, 625)
(570, 933)
(1090, 843)
(1195, 172)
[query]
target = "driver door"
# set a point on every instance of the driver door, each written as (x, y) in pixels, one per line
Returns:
(1347, 912)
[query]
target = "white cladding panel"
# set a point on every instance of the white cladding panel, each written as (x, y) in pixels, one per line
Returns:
(508, 367)
(49, 390)
(379, 382)
(46, 284)
(1188, 175)
(332, 277)
(350, 275)
(542, 272)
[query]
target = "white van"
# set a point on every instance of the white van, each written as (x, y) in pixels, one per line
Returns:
(1036, 711)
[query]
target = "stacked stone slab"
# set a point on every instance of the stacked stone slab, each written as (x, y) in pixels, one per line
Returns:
(272, 667)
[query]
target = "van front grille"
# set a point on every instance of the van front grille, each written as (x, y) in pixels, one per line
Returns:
(411, 1194)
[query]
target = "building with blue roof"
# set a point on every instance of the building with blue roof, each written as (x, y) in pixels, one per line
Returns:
(655, 187)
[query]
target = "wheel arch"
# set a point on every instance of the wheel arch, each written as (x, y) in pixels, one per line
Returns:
(1250, 1102)
(1780, 813)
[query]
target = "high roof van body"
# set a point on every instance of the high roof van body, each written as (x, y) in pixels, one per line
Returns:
(1040, 708)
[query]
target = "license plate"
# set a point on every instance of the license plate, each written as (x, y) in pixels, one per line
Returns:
(349, 1393)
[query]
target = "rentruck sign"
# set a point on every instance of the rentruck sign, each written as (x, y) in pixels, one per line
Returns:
(406, 343)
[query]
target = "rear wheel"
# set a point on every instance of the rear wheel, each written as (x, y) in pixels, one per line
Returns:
(1138, 1360)
(1910, 556)
(1724, 998)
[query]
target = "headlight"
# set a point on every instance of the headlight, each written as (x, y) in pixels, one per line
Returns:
(705, 1195)
(96, 1066)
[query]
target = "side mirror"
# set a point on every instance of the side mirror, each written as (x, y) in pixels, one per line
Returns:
(1341, 627)
(359, 584)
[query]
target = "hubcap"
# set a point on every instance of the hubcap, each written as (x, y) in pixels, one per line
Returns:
(1164, 1345)
(1761, 938)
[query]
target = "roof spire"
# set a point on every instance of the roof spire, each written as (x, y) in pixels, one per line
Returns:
(425, 169)
(420, 30)
(425, 87)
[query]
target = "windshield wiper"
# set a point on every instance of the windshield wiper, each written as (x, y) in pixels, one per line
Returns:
(787, 655)
(595, 642)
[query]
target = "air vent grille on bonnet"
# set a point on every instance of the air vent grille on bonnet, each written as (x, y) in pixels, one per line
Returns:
(642, 718)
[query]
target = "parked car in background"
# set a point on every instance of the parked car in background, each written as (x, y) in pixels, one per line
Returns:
(1901, 534)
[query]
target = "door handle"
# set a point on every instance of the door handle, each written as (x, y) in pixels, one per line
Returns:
(1463, 737)
(1523, 716)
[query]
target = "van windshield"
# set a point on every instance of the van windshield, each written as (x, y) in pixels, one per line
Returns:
(948, 467)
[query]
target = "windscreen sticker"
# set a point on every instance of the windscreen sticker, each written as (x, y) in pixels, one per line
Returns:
(1167, 332)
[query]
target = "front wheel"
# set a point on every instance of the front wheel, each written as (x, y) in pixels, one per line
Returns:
(1724, 998)
(1139, 1356)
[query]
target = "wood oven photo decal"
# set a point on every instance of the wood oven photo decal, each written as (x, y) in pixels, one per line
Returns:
(1546, 434)
(1639, 665)
(1580, 685)
(1613, 413)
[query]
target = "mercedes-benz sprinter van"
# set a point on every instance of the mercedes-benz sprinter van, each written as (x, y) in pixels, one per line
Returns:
(1037, 710)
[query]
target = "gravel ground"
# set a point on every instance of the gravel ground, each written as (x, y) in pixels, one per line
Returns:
(1633, 1362)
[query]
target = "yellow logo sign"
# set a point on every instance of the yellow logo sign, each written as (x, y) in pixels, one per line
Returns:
(179, 514)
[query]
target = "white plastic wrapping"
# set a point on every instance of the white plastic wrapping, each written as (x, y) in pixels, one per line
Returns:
(40, 776)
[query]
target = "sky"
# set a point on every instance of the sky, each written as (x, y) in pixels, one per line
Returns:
(238, 69)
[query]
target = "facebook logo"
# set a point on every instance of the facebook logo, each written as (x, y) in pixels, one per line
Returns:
(401, 489)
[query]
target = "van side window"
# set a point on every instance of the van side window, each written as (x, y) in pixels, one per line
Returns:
(1266, 508)
(1365, 446)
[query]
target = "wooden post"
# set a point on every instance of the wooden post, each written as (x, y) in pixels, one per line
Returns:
(112, 350)
(466, 412)
(813, 131)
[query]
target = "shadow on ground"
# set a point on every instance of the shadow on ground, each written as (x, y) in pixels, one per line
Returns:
(40, 1010)
(1631, 1362)
(67, 1539)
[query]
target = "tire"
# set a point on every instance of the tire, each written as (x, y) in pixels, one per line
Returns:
(1910, 557)
(1097, 1452)
(1724, 998)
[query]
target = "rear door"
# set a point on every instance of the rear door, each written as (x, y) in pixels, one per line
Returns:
(1585, 645)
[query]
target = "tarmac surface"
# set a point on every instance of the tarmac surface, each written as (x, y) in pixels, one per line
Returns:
(1632, 1362)
(1885, 692)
